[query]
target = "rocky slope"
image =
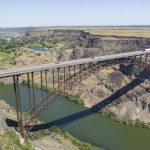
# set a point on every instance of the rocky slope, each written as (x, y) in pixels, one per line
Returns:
(84, 45)
(128, 96)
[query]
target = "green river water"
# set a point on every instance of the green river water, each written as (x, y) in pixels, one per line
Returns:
(85, 125)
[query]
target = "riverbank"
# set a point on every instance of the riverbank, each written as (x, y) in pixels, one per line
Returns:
(134, 123)
(125, 121)
(10, 139)
(55, 132)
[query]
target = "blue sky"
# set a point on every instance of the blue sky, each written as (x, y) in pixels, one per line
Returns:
(17, 13)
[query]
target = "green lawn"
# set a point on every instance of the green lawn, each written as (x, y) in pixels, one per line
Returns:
(5, 58)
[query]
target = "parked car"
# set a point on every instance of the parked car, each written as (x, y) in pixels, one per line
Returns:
(147, 50)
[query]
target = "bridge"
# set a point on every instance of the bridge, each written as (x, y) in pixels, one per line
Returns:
(59, 78)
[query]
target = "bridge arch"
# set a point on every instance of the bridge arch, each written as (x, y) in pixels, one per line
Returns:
(63, 76)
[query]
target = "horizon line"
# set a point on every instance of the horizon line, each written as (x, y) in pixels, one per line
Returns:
(77, 26)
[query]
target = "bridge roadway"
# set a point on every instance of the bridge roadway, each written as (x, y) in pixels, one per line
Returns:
(36, 68)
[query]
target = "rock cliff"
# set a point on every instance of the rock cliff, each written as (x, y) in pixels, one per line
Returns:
(87, 45)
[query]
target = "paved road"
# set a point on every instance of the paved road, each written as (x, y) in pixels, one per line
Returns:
(36, 68)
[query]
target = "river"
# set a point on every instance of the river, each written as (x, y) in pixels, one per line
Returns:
(81, 123)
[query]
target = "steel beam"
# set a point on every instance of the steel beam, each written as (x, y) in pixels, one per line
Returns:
(33, 92)
(58, 69)
(41, 76)
(53, 79)
(18, 105)
(64, 80)
(46, 88)
(69, 86)
(29, 91)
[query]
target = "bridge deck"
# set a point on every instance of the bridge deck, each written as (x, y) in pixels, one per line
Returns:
(36, 68)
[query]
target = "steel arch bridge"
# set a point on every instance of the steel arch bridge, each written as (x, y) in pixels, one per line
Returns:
(64, 75)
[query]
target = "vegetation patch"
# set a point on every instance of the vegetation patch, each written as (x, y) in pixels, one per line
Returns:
(73, 97)
(125, 121)
(5, 58)
(10, 49)
(10, 141)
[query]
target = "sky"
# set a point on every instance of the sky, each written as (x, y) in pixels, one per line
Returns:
(33, 13)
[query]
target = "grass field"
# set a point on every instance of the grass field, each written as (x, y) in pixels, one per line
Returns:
(112, 31)
(145, 32)
(5, 58)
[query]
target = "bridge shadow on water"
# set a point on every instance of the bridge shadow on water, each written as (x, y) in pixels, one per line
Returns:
(145, 74)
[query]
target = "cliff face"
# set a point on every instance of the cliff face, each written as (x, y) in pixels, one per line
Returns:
(87, 45)
(125, 92)
(108, 45)
(55, 34)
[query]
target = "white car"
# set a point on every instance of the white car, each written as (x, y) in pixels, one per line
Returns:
(147, 50)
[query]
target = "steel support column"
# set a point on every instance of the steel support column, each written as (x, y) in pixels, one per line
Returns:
(46, 88)
(33, 92)
(18, 104)
(53, 79)
(41, 76)
(58, 69)
(69, 86)
(29, 91)
(64, 79)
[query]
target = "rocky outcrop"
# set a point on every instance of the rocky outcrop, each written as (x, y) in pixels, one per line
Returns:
(3, 125)
(55, 34)
(5, 112)
(87, 45)
(108, 45)
(54, 143)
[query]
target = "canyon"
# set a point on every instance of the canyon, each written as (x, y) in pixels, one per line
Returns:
(133, 105)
